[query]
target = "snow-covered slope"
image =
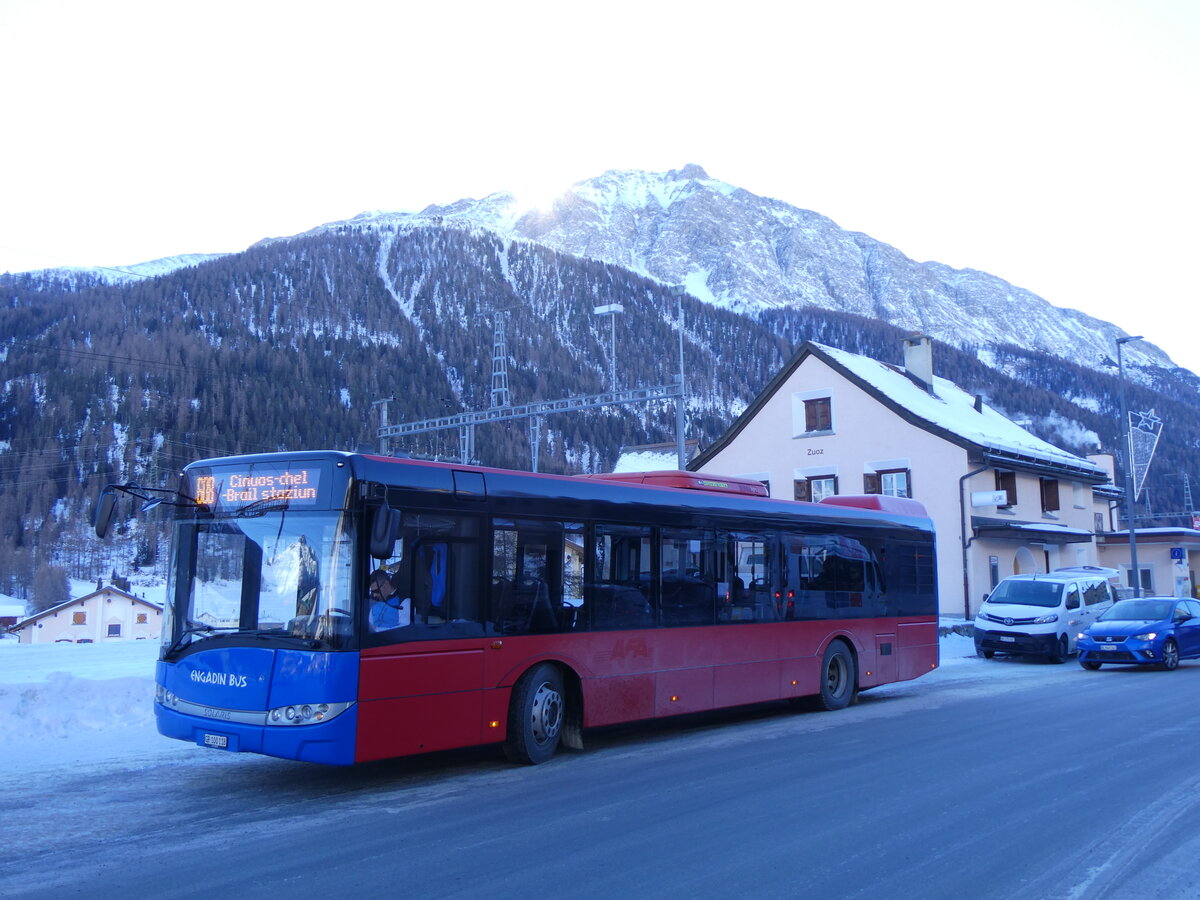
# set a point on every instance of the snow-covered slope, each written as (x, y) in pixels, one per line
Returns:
(735, 249)
(135, 272)
(747, 253)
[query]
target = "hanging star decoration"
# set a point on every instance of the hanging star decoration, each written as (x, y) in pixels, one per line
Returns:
(1148, 422)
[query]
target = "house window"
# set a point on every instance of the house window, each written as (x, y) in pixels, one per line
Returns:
(1007, 482)
(889, 482)
(1049, 495)
(818, 414)
(79, 618)
(114, 630)
(816, 489)
(141, 618)
(1147, 579)
(1098, 520)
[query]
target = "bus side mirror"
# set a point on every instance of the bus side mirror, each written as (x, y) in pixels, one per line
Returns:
(104, 512)
(385, 528)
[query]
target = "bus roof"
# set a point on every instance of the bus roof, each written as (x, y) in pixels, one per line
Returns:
(695, 481)
(692, 493)
(900, 506)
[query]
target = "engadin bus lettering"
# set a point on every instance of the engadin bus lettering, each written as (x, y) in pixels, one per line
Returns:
(225, 679)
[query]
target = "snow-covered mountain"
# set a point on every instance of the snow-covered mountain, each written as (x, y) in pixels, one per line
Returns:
(123, 274)
(747, 253)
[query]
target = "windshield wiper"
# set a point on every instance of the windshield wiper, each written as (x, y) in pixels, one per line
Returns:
(195, 628)
(261, 508)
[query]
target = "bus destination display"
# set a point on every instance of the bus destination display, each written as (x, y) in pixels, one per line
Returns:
(298, 485)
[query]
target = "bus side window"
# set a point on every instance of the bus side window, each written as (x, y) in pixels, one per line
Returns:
(616, 591)
(695, 570)
(751, 583)
(908, 572)
(531, 570)
(437, 569)
(573, 617)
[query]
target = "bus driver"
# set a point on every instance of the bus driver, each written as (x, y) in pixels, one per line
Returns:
(388, 609)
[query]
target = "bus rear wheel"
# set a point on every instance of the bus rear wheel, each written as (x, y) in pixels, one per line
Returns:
(839, 678)
(535, 716)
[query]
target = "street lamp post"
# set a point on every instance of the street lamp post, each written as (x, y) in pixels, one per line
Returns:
(611, 311)
(1128, 436)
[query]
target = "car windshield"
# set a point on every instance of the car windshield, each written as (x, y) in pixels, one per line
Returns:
(1139, 611)
(1027, 593)
(277, 574)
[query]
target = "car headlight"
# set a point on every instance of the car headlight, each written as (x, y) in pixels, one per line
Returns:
(1081, 635)
(1045, 620)
(1148, 636)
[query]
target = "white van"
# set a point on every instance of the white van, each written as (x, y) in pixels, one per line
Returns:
(1040, 615)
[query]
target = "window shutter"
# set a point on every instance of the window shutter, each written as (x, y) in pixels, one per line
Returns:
(1007, 482)
(1050, 495)
(870, 482)
(818, 414)
(803, 491)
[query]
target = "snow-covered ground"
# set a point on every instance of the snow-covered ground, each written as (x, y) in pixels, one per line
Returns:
(91, 705)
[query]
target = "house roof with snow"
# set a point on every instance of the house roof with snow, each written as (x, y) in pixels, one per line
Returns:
(653, 457)
(943, 409)
(108, 589)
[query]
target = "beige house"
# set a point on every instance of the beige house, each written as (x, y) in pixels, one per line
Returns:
(1002, 500)
(108, 614)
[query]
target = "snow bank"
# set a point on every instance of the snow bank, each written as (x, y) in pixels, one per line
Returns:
(54, 690)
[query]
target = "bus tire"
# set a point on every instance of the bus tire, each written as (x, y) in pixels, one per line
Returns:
(839, 678)
(535, 716)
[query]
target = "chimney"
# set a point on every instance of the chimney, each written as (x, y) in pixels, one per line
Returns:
(918, 360)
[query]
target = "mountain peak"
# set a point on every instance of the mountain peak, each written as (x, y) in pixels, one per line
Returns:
(690, 171)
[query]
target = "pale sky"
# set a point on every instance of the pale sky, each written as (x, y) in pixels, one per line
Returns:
(1052, 143)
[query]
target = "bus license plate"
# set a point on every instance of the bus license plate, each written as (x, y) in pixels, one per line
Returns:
(220, 741)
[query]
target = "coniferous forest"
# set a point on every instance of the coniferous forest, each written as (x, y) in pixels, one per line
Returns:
(290, 344)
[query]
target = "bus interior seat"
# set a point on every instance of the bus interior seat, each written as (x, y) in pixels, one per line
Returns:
(524, 606)
(618, 606)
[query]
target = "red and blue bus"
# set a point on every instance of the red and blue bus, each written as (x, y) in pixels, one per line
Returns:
(528, 607)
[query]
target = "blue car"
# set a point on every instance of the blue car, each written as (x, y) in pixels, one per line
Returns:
(1150, 631)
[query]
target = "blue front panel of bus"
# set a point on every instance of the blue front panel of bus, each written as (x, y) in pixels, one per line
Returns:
(230, 678)
(253, 680)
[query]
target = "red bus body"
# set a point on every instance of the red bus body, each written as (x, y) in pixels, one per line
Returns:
(415, 699)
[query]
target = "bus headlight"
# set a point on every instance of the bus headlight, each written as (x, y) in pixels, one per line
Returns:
(306, 713)
(165, 697)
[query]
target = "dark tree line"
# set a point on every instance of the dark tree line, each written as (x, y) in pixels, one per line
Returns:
(287, 345)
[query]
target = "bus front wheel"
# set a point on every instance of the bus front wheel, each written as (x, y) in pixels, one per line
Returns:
(535, 716)
(839, 678)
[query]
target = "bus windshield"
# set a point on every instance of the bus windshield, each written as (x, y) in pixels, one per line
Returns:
(280, 573)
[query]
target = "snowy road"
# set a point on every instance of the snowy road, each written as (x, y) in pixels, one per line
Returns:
(984, 779)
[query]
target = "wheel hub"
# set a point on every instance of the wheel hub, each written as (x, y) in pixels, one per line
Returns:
(547, 713)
